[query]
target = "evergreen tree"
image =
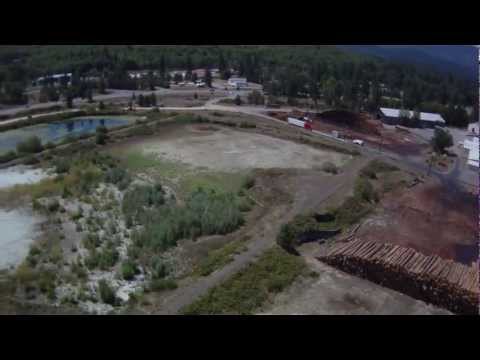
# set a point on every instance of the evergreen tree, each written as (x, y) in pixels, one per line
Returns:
(208, 78)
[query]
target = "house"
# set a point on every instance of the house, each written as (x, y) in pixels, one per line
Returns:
(392, 117)
(237, 82)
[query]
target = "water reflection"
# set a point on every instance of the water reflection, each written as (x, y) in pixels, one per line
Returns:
(55, 132)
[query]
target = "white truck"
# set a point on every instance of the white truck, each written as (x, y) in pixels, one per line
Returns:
(300, 123)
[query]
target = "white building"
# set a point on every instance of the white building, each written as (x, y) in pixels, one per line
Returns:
(394, 117)
(55, 78)
(472, 146)
(238, 82)
(473, 129)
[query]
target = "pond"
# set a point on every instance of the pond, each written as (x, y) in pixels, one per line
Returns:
(56, 131)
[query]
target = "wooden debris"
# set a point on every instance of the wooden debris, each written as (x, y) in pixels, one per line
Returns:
(441, 282)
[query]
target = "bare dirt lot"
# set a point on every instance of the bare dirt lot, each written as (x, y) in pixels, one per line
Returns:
(220, 148)
(429, 218)
(336, 293)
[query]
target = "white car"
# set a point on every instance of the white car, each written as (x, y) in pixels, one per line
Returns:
(358, 142)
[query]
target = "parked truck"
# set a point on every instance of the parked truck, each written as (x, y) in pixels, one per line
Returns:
(305, 124)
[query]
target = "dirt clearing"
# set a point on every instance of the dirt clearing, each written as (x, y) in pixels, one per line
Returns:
(223, 149)
(429, 218)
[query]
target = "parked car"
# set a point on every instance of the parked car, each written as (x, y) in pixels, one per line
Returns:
(358, 142)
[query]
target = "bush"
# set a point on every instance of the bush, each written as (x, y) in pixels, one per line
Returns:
(106, 293)
(7, 157)
(30, 160)
(53, 206)
(62, 166)
(364, 190)
(247, 125)
(101, 138)
(286, 239)
(330, 168)
(49, 145)
(163, 285)
(441, 140)
(247, 290)
(352, 210)
(129, 270)
(204, 213)
(119, 177)
(101, 129)
(238, 100)
(375, 167)
(248, 183)
(32, 145)
(159, 269)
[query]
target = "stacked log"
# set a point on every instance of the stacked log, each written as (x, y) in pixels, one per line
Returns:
(432, 279)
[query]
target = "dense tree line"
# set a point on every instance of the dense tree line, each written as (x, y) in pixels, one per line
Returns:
(340, 79)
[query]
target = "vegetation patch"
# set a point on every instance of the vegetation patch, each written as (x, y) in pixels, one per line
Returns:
(217, 259)
(248, 290)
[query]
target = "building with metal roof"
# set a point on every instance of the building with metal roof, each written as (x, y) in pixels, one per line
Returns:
(394, 117)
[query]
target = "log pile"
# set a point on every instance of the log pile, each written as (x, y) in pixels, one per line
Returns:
(432, 279)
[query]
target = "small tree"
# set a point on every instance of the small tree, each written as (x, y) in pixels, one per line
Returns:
(69, 100)
(287, 238)
(102, 86)
(238, 100)
(101, 106)
(208, 78)
(153, 100)
(106, 293)
(441, 140)
(90, 96)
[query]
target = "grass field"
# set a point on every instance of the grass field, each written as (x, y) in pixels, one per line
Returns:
(183, 177)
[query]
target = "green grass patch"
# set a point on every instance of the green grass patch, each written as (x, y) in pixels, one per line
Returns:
(248, 290)
(217, 259)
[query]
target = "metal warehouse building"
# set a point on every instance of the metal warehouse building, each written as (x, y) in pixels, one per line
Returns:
(392, 117)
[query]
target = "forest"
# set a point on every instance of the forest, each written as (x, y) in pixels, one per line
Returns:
(324, 73)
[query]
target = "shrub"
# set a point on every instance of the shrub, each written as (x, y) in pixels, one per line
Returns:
(352, 210)
(53, 206)
(163, 285)
(119, 177)
(249, 182)
(159, 269)
(49, 145)
(30, 160)
(330, 168)
(441, 140)
(364, 190)
(32, 145)
(286, 239)
(238, 100)
(247, 125)
(129, 270)
(62, 166)
(7, 157)
(101, 138)
(101, 129)
(106, 293)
